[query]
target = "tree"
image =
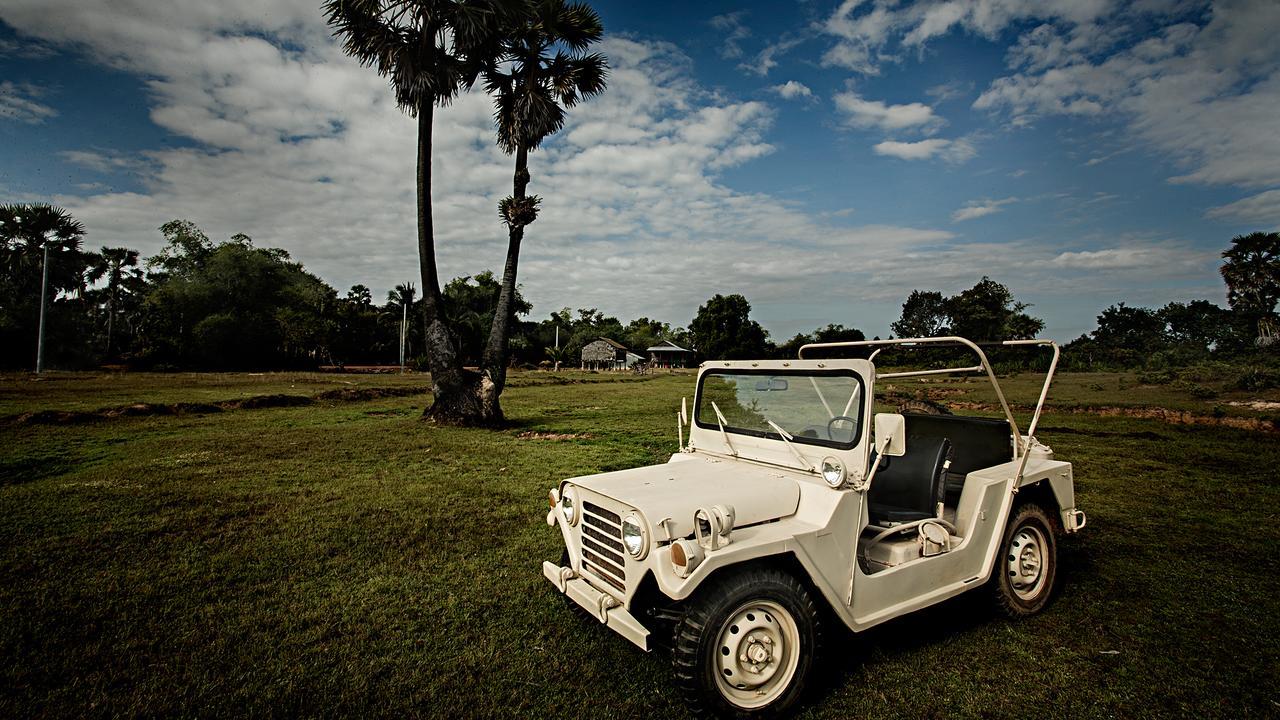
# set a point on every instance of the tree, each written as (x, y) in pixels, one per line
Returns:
(24, 228)
(471, 305)
(531, 89)
(430, 50)
(723, 329)
(924, 314)
(1197, 326)
(1252, 275)
(113, 264)
(643, 333)
(987, 311)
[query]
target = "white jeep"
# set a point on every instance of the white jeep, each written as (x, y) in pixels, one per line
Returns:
(793, 498)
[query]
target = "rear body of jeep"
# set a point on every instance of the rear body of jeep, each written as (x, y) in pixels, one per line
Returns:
(746, 492)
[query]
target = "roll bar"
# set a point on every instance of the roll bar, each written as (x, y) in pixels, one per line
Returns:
(984, 365)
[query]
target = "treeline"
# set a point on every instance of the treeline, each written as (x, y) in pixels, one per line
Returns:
(198, 304)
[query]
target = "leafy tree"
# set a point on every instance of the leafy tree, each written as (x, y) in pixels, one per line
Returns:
(1199, 325)
(723, 329)
(1252, 275)
(924, 314)
(987, 311)
(430, 50)
(234, 305)
(791, 348)
(1136, 329)
(532, 88)
(471, 304)
(643, 333)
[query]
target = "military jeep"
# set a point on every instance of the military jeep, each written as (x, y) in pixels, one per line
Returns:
(792, 501)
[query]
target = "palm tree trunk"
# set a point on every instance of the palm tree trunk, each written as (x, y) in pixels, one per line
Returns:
(460, 397)
(495, 353)
(44, 299)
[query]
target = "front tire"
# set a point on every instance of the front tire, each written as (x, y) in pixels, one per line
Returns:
(746, 644)
(1026, 569)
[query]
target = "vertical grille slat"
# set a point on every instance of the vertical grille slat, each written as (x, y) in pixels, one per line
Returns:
(601, 542)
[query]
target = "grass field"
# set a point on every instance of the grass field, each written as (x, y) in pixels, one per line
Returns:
(343, 558)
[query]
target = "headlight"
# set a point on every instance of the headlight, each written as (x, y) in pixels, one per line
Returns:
(833, 471)
(569, 505)
(633, 536)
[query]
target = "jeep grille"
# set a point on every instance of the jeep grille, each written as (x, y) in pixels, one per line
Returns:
(602, 545)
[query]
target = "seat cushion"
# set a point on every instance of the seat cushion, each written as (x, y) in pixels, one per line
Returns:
(911, 486)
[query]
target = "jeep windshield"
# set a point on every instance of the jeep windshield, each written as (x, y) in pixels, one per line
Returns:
(814, 407)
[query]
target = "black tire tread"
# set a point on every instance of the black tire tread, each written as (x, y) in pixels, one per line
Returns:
(1002, 596)
(710, 600)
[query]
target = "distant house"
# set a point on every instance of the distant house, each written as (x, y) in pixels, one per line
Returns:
(667, 354)
(604, 354)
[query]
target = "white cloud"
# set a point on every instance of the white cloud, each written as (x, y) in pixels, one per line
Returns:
(286, 139)
(792, 89)
(1263, 209)
(980, 208)
(953, 151)
(862, 113)
(18, 103)
(766, 59)
(1203, 94)
(1128, 258)
(868, 32)
(734, 31)
(25, 49)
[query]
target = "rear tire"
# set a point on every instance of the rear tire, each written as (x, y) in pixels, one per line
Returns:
(746, 644)
(1026, 570)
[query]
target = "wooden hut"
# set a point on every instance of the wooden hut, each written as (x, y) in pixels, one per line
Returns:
(667, 354)
(604, 354)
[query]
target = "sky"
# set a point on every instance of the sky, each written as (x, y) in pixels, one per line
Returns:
(821, 158)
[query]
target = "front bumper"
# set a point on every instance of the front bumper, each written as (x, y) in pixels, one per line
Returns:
(602, 606)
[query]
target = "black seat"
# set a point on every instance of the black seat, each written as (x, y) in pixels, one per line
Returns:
(977, 443)
(910, 487)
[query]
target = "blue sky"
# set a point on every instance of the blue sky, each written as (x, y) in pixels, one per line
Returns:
(822, 158)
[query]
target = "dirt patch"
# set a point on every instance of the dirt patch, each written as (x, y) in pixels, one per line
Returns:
(72, 417)
(1256, 404)
(357, 394)
(530, 435)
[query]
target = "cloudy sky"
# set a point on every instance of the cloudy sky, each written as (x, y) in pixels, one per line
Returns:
(821, 158)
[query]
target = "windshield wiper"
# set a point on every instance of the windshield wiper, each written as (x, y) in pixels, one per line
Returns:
(721, 422)
(786, 438)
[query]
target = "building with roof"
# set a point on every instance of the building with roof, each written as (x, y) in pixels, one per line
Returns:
(667, 354)
(604, 354)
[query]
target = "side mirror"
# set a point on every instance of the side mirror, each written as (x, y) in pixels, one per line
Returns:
(891, 434)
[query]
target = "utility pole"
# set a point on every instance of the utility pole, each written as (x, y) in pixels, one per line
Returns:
(44, 298)
(404, 321)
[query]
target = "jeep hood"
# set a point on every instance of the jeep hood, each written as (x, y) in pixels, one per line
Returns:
(677, 489)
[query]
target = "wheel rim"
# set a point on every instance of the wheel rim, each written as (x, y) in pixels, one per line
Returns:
(757, 651)
(1028, 562)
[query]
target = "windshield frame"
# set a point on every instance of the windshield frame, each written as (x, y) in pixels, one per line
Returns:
(791, 373)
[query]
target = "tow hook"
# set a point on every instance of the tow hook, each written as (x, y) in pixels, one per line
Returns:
(606, 603)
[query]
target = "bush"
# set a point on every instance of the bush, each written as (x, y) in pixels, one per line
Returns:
(1256, 378)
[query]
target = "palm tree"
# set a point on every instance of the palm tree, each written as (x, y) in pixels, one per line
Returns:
(112, 263)
(1252, 275)
(430, 50)
(45, 227)
(543, 69)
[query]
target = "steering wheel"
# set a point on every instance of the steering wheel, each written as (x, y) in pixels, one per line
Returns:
(837, 418)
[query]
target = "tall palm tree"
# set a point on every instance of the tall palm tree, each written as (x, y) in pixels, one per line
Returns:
(45, 227)
(543, 68)
(1252, 275)
(112, 263)
(430, 50)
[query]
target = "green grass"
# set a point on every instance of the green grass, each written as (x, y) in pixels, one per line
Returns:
(344, 558)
